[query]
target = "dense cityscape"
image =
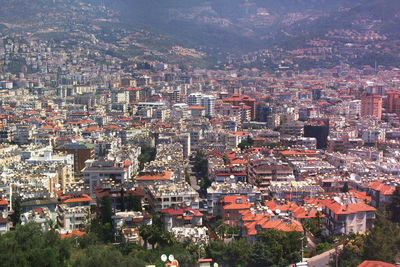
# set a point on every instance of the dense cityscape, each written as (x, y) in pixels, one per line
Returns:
(120, 146)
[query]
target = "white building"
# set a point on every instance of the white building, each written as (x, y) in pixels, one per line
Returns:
(371, 136)
(208, 102)
(71, 218)
(163, 196)
(97, 171)
(217, 191)
(195, 99)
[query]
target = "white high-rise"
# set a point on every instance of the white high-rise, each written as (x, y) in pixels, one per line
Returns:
(195, 99)
(208, 102)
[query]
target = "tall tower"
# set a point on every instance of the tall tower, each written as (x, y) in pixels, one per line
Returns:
(208, 102)
(371, 105)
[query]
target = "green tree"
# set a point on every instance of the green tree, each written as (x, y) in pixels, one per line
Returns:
(394, 206)
(16, 216)
(122, 199)
(381, 243)
(134, 203)
(106, 209)
(29, 246)
(103, 256)
(313, 225)
(221, 229)
(276, 248)
(249, 142)
(201, 168)
(322, 247)
(187, 176)
(226, 159)
(261, 255)
(345, 188)
(200, 164)
(216, 250)
(352, 253)
(237, 253)
(147, 154)
(144, 231)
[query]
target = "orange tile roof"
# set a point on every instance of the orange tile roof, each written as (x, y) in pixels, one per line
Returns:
(296, 152)
(240, 133)
(47, 127)
(127, 163)
(314, 201)
(73, 233)
(156, 176)
(196, 107)
(93, 129)
(265, 223)
(360, 195)
(113, 127)
(75, 198)
(384, 189)
(375, 264)
(337, 208)
(3, 201)
(231, 203)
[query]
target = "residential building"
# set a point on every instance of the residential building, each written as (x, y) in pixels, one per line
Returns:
(371, 105)
(181, 217)
(216, 192)
(345, 215)
(163, 196)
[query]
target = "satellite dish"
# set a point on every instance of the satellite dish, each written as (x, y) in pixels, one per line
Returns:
(164, 257)
(278, 211)
(171, 257)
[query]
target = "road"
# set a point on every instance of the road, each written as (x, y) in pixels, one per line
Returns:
(193, 182)
(321, 260)
(193, 178)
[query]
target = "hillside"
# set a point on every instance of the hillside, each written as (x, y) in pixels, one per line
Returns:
(217, 28)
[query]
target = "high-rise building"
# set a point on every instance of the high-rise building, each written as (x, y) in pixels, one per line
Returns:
(195, 99)
(318, 128)
(371, 105)
(236, 100)
(208, 102)
(393, 102)
(81, 152)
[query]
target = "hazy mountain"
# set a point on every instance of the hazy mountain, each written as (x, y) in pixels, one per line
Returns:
(217, 26)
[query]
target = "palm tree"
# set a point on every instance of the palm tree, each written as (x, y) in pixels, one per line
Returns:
(221, 228)
(144, 231)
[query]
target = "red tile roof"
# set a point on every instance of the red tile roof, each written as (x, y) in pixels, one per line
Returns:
(384, 189)
(75, 198)
(300, 153)
(287, 225)
(375, 264)
(156, 176)
(337, 208)
(73, 233)
(181, 211)
(3, 202)
(93, 129)
(195, 107)
(232, 203)
(360, 195)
